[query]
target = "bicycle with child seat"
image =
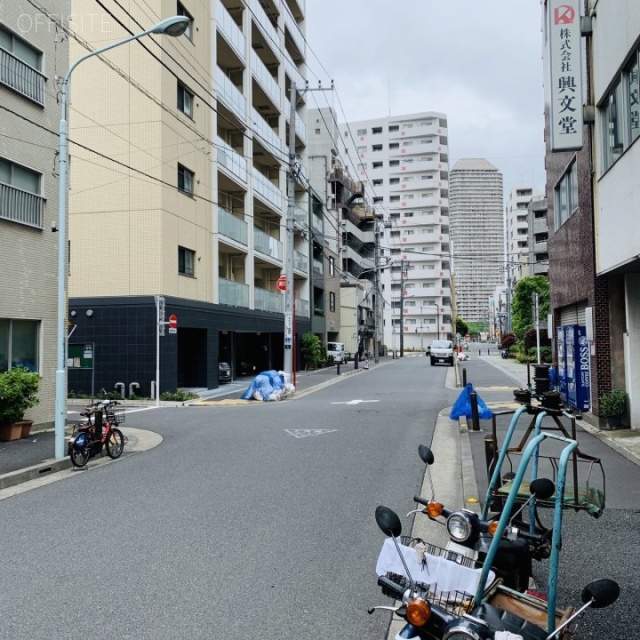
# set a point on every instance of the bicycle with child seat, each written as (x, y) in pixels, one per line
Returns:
(98, 432)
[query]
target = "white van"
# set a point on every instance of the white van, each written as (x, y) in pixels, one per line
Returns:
(336, 352)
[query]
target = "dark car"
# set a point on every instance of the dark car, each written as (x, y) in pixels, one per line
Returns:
(224, 372)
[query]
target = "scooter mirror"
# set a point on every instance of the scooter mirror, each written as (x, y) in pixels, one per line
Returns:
(603, 592)
(542, 488)
(388, 521)
(426, 454)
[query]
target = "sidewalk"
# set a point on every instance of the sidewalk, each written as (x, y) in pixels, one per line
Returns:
(34, 457)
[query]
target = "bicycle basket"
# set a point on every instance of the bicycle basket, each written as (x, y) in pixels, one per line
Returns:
(116, 417)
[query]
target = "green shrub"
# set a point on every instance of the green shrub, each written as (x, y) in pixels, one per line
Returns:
(312, 350)
(613, 403)
(18, 392)
(178, 396)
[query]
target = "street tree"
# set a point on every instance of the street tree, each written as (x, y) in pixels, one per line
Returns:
(522, 304)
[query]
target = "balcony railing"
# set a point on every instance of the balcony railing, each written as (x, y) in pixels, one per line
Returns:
(268, 300)
(301, 127)
(233, 293)
(267, 245)
(267, 190)
(21, 206)
(265, 25)
(318, 267)
(231, 160)
(300, 262)
(230, 94)
(264, 131)
(293, 28)
(292, 71)
(302, 307)
(230, 29)
(232, 227)
(21, 77)
(265, 79)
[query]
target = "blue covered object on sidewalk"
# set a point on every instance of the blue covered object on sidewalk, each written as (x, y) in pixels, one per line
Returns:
(267, 385)
(462, 406)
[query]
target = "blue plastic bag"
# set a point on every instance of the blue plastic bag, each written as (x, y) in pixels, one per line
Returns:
(265, 383)
(462, 406)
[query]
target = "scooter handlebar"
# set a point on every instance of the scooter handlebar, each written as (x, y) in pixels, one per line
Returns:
(420, 500)
(391, 586)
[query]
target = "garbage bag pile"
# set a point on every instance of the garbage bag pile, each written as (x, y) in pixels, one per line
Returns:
(462, 406)
(268, 386)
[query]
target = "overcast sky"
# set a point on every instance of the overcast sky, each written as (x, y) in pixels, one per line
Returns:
(477, 61)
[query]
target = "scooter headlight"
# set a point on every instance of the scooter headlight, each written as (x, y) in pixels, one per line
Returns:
(459, 527)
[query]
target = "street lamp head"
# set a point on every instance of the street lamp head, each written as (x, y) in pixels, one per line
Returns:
(174, 26)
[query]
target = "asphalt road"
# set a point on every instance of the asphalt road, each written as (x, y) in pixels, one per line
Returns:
(249, 521)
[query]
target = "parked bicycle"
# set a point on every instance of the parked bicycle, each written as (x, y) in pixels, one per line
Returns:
(97, 432)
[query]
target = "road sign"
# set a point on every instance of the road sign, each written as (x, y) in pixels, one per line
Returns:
(173, 324)
(281, 283)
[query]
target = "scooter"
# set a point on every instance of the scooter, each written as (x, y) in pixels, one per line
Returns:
(470, 536)
(444, 600)
(437, 604)
(504, 353)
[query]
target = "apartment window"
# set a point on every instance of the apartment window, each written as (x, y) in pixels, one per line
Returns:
(181, 11)
(394, 199)
(317, 132)
(566, 195)
(376, 147)
(186, 259)
(20, 197)
(394, 163)
(361, 149)
(362, 166)
(394, 180)
(185, 180)
(21, 66)
(185, 100)
(377, 165)
(376, 130)
(332, 266)
(393, 128)
(378, 182)
(19, 344)
(361, 132)
(332, 301)
(394, 145)
(614, 141)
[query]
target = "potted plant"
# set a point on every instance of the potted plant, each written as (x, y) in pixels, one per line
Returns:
(612, 406)
(18, 392)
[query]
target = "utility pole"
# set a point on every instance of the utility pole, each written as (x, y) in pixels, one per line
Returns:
(402, 308)
(376, 291)
(289, 292)
(536, 312)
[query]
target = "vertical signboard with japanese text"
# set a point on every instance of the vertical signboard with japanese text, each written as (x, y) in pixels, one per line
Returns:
(576, 391)
(565, 60)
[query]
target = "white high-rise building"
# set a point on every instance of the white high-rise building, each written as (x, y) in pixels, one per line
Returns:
(517, 229)
(477, 236)
(404, 163)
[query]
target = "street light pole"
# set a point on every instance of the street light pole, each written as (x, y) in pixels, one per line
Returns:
(174, 26)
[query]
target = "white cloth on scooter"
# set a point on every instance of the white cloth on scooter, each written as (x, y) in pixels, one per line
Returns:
(507, 635)
(442, 574)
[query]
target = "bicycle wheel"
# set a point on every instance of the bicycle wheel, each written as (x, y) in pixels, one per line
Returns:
(115, 443)
(80, 450)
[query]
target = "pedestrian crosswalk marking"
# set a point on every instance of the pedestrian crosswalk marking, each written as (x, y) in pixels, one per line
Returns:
(303, 433)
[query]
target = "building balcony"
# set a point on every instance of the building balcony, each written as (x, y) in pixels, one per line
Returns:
(232, 227)
(292, 71)
(268, 136)
(231, 160)
(341, 176)
(267, 190)
(22, 78)
(267, 245)
(421, 238)
(294, 30)
(265, 25)
(268, 83)
(232, 97)
(21, 206)
(300, 262)
(233, 293)
(268, 300)
(302, 307)
(301, 127)
(230, 30)
(540, 247)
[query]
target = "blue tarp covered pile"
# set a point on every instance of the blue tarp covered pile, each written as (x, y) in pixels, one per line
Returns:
(462, 406)
(268, 385)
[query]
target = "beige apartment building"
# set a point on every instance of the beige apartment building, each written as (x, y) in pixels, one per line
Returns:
(33, 50)
(178, 190)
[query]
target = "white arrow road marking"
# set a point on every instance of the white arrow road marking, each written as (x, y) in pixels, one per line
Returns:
(355, 401)
(303, 433)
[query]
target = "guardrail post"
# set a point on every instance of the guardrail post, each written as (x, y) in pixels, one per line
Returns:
(464, 376)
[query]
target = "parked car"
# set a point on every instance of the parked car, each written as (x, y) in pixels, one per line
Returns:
(441, 351)
(224, 372)
(336, 352)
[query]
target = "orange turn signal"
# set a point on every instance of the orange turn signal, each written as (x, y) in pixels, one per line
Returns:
(493, 527)
(418, 613)
(434, 509)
